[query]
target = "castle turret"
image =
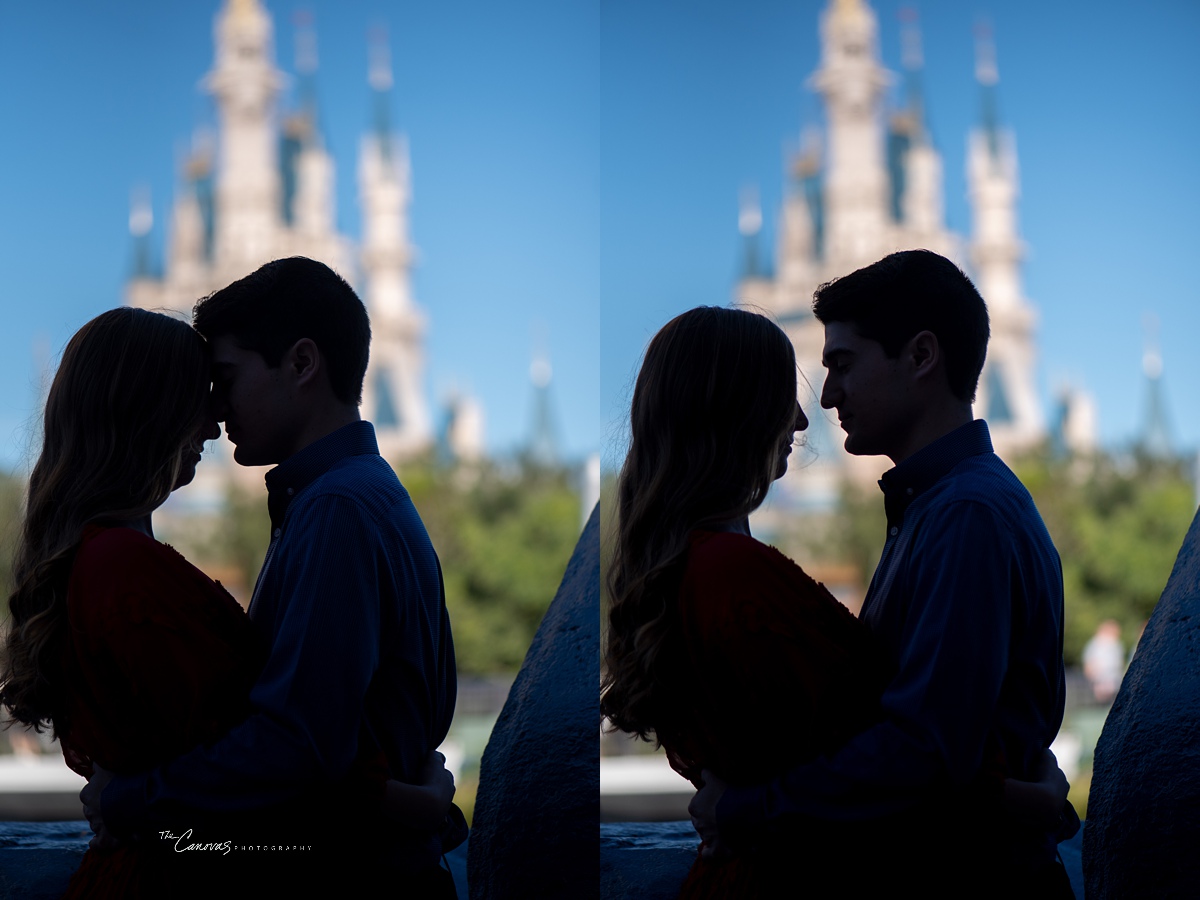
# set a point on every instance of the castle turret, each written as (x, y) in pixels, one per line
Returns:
(1155, 438)
(393, 397)
(920, 203)
(142, 287)
(1007, 396)
(191, 219)
(799, 231)
(245, 83)
(852, 83)
(311, 210)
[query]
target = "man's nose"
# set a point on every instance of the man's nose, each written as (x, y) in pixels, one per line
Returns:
(828, 393)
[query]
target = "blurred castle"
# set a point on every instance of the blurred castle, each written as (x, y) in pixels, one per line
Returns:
(878, 190)
(264, 192)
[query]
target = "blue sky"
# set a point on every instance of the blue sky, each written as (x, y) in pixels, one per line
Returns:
(498, 105)
(577, 164)
(699, 98)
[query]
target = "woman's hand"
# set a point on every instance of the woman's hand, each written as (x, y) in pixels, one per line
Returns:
(421, 806)
(1041, 801)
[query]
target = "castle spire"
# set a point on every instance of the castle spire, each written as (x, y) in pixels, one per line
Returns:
(394, 392)
(987, 74)
(543, 439)
(1155, 440)
(244, 83)
(141, 221)
(379, 77)
(913, 60)
(852, 82)
(749, 225)
(306, 64)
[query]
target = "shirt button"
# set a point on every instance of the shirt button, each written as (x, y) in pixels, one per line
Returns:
(907, 491)
(292, 491)
(893, 531)
(279, 531)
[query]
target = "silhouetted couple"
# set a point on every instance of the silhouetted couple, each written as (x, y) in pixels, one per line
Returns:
(292, 748)
(834, 755)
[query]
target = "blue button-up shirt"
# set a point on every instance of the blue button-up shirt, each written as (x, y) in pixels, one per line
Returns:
(350, 604)
(967, 602)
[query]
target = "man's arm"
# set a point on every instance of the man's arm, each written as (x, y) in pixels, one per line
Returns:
(938, 707)
(307, 703)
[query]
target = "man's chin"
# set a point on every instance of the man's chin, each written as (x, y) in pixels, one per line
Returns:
(856, 446)
(245, 456)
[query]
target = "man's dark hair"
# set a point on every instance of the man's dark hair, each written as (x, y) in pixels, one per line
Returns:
(286, 300)
(909, 292)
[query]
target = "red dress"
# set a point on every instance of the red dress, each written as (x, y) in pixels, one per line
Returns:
(776, 672)
(159, 659)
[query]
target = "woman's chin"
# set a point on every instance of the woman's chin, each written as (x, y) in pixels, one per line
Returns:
(186, 474)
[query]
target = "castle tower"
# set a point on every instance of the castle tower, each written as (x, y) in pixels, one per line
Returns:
(244, 83)
(261, 187)
(142, 286)
(309, 204)
(862, 191)
(393, 396)
(852, 83)
(917, 185)
(543, 438)
(1007, 395)
(1155, 439)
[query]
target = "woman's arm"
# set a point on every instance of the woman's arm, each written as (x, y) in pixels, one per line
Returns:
(421, 806)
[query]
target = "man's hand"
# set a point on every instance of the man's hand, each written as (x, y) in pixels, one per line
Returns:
(1039, 801)
(438, 779)
(703, 810)
(423, 806)
(90, 797)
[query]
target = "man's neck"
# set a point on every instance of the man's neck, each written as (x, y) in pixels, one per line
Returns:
(323, 424)
(935, 424)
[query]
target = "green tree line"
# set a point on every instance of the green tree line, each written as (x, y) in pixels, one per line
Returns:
(504, 534)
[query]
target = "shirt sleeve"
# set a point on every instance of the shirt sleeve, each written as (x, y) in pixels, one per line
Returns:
(307, 703)
(937, 709)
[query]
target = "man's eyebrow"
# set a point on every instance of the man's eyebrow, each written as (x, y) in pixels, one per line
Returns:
(829, 354)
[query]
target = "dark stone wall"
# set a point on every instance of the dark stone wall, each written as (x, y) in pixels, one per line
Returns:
(1143, 834)
(537, 813)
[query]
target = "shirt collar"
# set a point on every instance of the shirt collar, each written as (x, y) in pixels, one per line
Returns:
(904, 483)
(301, 469)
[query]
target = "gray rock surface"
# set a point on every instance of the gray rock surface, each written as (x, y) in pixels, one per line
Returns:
(1143, 829)
(537, 813)
(37, 859)
(645, 860)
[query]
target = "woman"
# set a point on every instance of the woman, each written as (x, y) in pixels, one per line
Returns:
(130, 653)
(721, 647)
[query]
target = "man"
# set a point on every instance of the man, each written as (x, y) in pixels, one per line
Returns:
(966, 603)
(360, 671)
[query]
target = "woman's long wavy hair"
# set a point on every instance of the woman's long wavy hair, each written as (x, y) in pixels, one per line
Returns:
(121, 412)
(714, 402)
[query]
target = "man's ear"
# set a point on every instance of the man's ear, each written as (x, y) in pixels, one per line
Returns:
(923, 353)
(302, 362)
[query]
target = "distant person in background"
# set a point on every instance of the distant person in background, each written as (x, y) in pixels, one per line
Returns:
(1104, 661)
